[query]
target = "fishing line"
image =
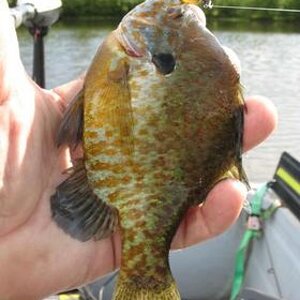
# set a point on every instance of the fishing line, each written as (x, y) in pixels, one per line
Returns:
(237, 7)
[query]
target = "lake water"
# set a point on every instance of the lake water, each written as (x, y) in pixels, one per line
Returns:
(270, 57)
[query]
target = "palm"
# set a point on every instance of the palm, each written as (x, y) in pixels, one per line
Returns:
(34, 252)
(32, 171)
(30, 168)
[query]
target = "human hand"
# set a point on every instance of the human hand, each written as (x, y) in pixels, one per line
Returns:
(36, 257)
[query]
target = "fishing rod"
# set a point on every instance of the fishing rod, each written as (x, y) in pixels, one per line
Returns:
(37, 16)
(209, 4)
(238, 7)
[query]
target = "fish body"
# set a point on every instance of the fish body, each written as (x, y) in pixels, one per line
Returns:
(160, 117)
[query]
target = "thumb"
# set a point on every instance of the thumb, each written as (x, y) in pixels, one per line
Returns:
(11, 68)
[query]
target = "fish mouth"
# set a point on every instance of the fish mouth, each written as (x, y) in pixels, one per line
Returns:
(130, 48)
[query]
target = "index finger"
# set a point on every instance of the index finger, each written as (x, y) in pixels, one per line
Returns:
(260, 120)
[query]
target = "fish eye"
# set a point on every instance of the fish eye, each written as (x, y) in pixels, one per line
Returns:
(175, 13)
(165, 63)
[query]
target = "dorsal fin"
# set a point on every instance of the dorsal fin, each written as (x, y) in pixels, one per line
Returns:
(236, 170)
(71, 128)
(239, 127)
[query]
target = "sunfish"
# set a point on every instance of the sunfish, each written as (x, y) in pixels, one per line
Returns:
(160, 118)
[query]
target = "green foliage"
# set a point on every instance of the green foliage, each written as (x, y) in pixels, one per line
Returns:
(117, 8)
(12, 2)
(97, 8)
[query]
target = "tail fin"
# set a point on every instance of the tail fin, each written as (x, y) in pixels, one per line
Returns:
(128, 292)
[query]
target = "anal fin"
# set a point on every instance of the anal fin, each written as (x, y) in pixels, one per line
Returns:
(78, 211)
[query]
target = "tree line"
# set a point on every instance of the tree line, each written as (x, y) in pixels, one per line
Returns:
(117, 8)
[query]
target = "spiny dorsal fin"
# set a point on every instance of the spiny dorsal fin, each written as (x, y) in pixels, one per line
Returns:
(238, 171)
(71, 128)
(78, 211)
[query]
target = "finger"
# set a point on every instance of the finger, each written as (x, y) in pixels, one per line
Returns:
(260, 121)
(220, 210)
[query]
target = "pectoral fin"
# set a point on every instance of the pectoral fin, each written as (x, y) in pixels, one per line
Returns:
(78, 211)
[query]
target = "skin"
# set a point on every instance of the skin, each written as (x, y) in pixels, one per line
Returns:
(36, 258)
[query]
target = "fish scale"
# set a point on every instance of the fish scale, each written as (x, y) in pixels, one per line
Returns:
(149, 173)
(161, 114)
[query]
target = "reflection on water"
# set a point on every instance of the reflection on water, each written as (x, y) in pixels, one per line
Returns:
(270, 61)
